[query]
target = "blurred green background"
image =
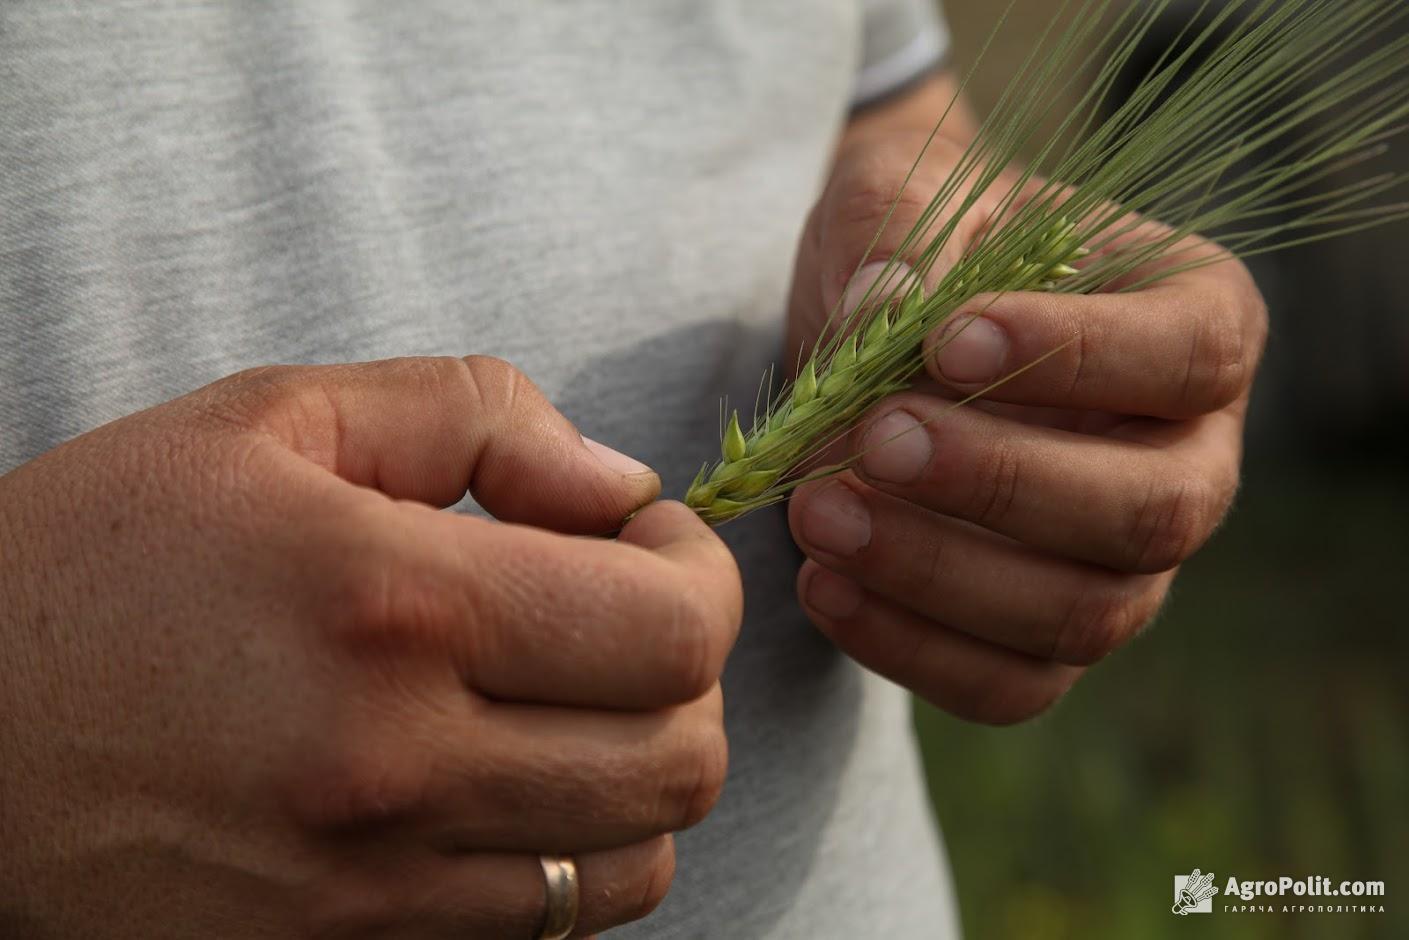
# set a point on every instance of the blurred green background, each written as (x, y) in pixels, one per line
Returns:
(1261, 726)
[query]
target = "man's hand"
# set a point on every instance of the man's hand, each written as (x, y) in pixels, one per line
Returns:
(253, 685)
(985, 558)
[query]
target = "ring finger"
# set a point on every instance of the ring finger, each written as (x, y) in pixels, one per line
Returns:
(490, 895)
(965, 676)
(545, 779)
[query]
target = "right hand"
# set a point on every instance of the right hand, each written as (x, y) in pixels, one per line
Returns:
(253, 685)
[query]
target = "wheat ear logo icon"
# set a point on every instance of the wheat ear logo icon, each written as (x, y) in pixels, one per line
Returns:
(1197, 888)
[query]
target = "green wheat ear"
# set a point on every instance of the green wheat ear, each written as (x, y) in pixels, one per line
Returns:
(1227, 135)
(857, 372)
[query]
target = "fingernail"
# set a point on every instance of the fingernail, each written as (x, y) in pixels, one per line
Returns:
(832, 595)
(868, 276)
(975, 352)
(897, 449)
(615, 461)
(837, 521)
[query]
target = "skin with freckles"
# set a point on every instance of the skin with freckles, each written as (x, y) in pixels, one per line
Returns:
(985, 557)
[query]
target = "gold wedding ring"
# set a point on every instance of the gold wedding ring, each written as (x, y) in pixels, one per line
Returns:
(560, 884)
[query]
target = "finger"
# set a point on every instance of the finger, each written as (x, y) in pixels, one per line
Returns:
(526, 615)
(460, 774)
(490, 895)
(968, 677)
(1183, 347)
(568, 780)
(1114, 501)
(463, 775)
(958, 574)
(431, 429)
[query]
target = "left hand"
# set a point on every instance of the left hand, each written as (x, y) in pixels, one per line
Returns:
(987, 558)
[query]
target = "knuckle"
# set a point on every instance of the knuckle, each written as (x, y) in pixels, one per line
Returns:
(694, 645)
(434, 373)
(852, 634)
(873, 194)
(696, 786)
(1218, 368)
(357, 784)
(929, 557)
(869, 190)
(1078, 359)
(494, 382)
(385, 606)
(727, 595)
(1172, 523)
(367, 599)
(995, 485)
(259, 378)
(1097, 623)
(486, 383)
(267, 396)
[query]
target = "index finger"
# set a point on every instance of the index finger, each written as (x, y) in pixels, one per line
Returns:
(528, 615)
(1185, 346)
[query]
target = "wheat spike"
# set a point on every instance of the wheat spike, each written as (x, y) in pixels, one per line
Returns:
(1227, 135)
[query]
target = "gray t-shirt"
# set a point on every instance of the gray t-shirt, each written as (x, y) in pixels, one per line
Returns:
(607, 194)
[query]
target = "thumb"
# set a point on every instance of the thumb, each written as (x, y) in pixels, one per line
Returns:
(431, 429)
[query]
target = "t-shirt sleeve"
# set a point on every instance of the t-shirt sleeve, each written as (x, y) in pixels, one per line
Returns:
(903, 41)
